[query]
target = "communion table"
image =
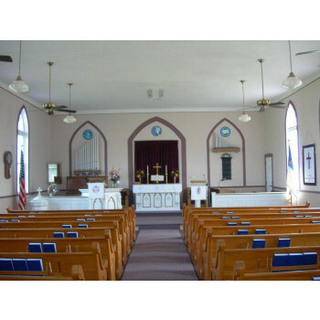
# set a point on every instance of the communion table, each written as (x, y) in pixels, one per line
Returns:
(157, 197)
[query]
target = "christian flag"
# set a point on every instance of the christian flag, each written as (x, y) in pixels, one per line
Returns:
(22, 190)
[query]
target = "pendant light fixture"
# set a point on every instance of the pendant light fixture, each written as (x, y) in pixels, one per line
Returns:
(292, 82)
(69, 118)
(19, 85)
(244, 117)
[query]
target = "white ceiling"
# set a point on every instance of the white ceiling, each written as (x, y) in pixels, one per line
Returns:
(113, 76)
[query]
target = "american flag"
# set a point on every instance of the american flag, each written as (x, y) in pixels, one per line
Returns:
(22, 189)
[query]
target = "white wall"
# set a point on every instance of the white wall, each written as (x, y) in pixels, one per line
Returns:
(39, 146)
(306, 102)
(265, 133)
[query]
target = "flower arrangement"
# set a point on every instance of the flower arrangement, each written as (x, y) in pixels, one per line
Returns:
(174, 175)
(140, 174)
(114, 176)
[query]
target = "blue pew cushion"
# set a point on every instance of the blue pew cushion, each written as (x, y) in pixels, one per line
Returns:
(3, 220)
(35, 264)
(67, 226)
(225, 218)
(81, 220)
(82, 226)
(280, 259)
(19, 264)
(310, 257)
(49, 247)
(72, 234)
(15, 220)
(215, 212)
(242, 231)
(260, 231)
(235, 217)
(6, 264)
(229, 212)
(58, 234)
(316, 278)
(91, 219)
(245, 223)
(35, 247)
(283, 242)
(232, 224)
(258, 243)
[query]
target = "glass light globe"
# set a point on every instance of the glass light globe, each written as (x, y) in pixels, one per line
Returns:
(244, 117)
(69, 119)
(292, 82)
(19, 85)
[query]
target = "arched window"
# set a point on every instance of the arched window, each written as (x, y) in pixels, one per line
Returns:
(292, 145)
(23, 144)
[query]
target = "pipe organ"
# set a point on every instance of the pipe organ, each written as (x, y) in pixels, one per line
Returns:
(87, 156)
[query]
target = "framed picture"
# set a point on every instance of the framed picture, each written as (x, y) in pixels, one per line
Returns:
(309, 164)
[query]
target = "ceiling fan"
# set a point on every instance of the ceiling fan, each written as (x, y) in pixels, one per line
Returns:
(307, 52)
(264, 104)
(50, 107)
(5, 59)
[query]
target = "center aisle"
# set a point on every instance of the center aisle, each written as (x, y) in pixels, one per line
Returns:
(159, 252)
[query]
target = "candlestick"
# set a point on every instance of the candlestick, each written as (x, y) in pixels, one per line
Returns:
(166, 169)
(147, 169)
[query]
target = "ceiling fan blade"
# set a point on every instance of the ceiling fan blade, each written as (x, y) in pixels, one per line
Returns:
(66, 110)
(307, 52)
(278, 106)
(60, 107)
(5, 59)
(276, 103)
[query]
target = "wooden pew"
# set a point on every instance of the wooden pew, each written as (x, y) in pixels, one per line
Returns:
(196, 217)
(126, 248)
(256, 260)
(246, 242)
(76, 274)
(126, 223)
(60, 263)
(187, 211)
(194, 235)
(241, 274)
(200, 243)
(129, 214)
(31, 233)
(192, 219)
(67, 245)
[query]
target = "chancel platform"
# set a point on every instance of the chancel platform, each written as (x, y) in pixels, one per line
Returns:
(157, 197)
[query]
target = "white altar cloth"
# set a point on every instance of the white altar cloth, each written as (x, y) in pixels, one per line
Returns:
(253, 199)
(112, 198)
(157, 197)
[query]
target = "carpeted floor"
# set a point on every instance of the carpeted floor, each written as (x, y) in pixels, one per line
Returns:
(159, 252)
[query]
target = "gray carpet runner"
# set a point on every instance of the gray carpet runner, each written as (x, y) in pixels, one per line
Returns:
(159, 252)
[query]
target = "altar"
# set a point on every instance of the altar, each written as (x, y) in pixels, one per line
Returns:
(157, 197)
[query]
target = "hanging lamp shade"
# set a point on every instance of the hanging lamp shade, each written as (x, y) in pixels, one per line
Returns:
(244, 116)
(69, 118)
(18, 85)
(292, 81)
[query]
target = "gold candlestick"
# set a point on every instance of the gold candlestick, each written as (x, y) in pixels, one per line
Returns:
(147, 178)
(166, 178)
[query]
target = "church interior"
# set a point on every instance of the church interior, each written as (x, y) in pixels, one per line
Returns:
(173, 175)
(191, 148)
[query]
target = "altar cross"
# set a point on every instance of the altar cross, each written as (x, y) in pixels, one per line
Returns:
(157, 167)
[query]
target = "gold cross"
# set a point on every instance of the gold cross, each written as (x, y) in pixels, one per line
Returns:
(157, 167)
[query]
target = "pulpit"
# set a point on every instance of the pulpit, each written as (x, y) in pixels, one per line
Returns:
(198, 193)
(105, 198)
